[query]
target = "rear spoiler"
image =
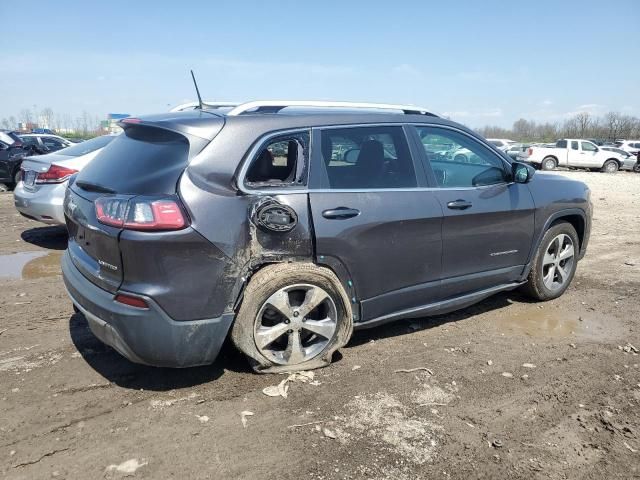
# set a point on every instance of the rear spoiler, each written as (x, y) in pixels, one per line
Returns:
(202, 124)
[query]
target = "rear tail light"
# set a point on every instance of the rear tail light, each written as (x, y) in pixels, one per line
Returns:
(141, 213)
(530, 151)
(55, 174)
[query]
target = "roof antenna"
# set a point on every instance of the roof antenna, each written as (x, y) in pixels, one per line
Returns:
(195, 84)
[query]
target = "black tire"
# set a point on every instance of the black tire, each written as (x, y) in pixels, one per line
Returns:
(548, 163)
(610, 166)
(4, 187)
(636, 167)
(265, 283)
(535, 286)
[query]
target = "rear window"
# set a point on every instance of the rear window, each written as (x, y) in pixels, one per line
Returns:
(142, 160)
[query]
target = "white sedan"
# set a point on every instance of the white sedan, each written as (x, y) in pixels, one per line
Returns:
(40, 193)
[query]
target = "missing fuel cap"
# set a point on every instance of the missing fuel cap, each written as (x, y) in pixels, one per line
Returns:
(276, 217)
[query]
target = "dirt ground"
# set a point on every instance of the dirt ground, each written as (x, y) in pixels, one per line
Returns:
(507, 389)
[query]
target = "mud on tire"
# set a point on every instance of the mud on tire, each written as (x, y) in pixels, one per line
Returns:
(269, 281)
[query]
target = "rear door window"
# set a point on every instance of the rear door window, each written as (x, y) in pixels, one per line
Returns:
(374, 157)
(280, 161)
(574, 145)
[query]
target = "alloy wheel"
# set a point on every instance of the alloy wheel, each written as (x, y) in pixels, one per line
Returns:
(295, 324)
(557, 263)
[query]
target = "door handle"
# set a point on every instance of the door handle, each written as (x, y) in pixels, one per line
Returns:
(340, 213)
(459, 205)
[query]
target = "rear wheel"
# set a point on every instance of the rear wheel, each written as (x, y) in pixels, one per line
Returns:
(549, 163)
(554, 264)
(636, 167)
(610, 166)
(293, 317)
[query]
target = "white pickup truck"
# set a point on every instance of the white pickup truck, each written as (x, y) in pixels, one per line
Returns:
(570, 152)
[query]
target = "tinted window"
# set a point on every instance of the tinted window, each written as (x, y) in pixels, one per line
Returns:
(496, 143)
(459, 161)
(30, 140)
(561, 144)
(574, 145)
(52, 142)
(89, 146)
(282, 160)
(143, 160)
(367, 157)
(588, 147)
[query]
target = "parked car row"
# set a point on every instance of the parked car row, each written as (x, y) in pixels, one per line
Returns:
(579, 153)
(14, 147)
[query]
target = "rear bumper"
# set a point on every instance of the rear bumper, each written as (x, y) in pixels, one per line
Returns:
(146, 336)
(44, 204)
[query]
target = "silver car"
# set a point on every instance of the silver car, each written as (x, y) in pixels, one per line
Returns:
(40, 193)
(629, 159)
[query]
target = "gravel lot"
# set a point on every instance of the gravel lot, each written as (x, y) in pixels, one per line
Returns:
(507, 389)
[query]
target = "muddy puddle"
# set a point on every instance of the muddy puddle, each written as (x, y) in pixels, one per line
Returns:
(542, 323)
(29, 265)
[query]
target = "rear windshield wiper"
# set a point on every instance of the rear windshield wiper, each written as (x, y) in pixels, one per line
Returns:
(93, 187)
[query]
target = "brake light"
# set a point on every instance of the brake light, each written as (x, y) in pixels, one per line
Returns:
(141, 213)
(131, 300)
(131, 120)
(55, 174)
(530, 151)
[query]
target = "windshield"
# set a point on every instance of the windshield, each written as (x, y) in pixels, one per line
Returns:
(89, 146)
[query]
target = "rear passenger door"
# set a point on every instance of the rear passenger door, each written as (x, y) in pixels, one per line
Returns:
(488, 219)
(373, 217)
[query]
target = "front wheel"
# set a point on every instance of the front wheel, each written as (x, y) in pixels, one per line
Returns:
(554, 264)
(294, 316)
(610, 166)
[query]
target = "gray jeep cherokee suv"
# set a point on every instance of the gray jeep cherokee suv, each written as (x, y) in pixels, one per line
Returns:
(288, 227)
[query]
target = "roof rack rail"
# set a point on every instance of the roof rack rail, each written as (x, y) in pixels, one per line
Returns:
(196, 105)
(274, 106)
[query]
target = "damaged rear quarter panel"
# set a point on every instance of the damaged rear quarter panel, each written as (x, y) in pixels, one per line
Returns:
(226, 218)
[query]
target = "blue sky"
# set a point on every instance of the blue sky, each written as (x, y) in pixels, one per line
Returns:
(480, 62)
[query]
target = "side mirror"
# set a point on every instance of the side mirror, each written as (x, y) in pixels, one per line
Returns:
(522, 173)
